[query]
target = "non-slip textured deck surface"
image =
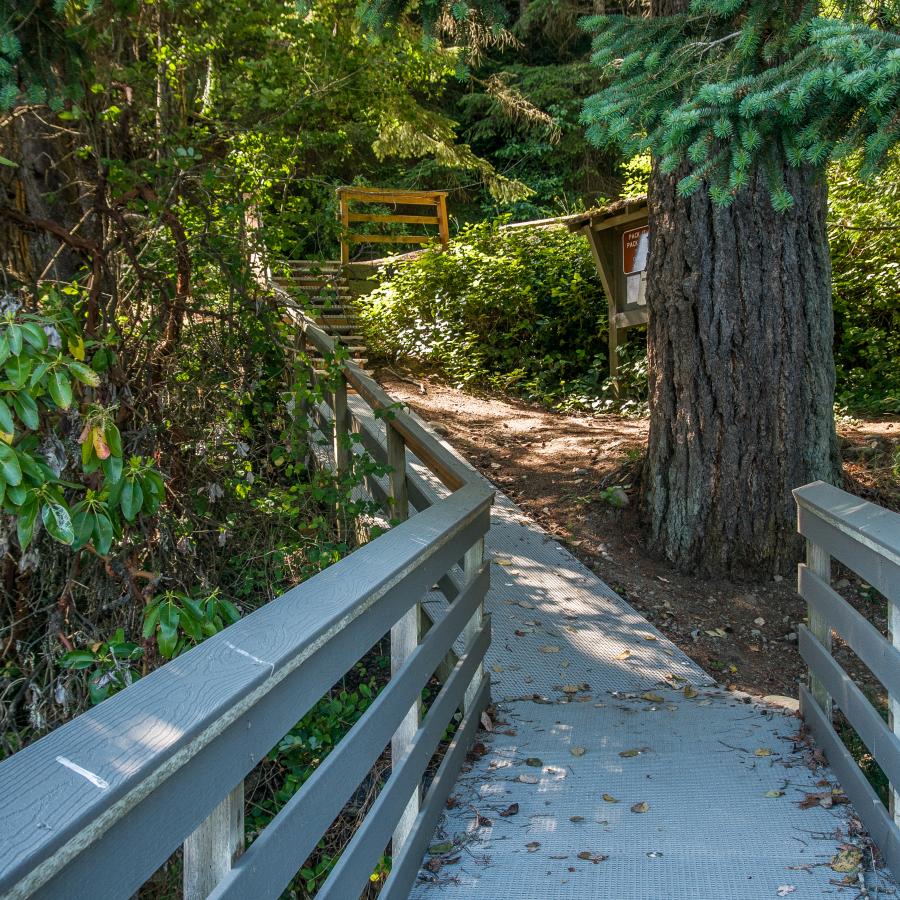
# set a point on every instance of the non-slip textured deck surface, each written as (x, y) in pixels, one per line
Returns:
(719, 780)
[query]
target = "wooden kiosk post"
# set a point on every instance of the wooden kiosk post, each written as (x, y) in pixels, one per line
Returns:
(619, 239)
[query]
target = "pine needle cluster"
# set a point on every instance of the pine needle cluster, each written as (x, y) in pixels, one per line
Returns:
(732, 85)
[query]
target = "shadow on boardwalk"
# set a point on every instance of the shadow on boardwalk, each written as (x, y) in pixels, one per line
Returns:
(587, 789)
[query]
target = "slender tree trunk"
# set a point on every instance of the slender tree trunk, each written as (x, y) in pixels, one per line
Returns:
(741, 374)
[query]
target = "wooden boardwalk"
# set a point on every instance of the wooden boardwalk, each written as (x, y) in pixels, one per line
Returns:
(617, 768)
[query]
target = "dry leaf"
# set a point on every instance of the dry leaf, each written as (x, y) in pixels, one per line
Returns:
(689, 692)
(511, 810)
(497, 669)
(504, 562)
(635, 751)
(576, 818)
(532, 846)
(772, 794)
(623, 655)
(595, 858)
(534, 761)
(527, 779)
(847, 860)
(486, 722)
(609, 798)
(762, 751)
(578, 751)
(641, 807)
(650, 697)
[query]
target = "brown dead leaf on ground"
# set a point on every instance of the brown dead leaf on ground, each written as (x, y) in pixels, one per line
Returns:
(641, 807)
(511, 810)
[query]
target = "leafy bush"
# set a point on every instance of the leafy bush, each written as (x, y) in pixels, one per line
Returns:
(865, 253)
(505, 309)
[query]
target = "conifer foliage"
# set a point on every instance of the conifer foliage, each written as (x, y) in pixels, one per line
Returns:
(735, 84)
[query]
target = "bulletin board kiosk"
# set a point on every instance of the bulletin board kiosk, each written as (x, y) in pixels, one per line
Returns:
(619, 238)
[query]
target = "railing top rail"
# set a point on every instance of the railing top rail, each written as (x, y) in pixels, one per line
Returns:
(71, 786)
(875, 527)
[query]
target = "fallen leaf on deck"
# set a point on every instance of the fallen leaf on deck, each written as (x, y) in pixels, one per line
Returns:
(438, 849)
(525, 604)
(762, 751)
(550, 648)
(534, 761)
(486, 722)
(689, 692)
(609, 798)
(785, 889)
(511, 810)
(595, 858)
(504, 562)
(847, 860)
(650, 697)
(635, 751)
(649, 637)
(576, 818)
(510, 732)
(527, 779)
(641, 807)
(623, 655)
(532, 846)
(578, 751)
(773, 794)
(497, 669)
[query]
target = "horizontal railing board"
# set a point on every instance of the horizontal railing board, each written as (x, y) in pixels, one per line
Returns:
(184, 800)
(283, 846)
(392, 217)
(881, 742)
(51, 810)
(390, 238)
(866, 641)
(866, 802)
(406, 864)
(863, 536)
(361, 855)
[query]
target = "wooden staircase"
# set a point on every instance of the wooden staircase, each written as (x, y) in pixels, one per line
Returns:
(321, 289)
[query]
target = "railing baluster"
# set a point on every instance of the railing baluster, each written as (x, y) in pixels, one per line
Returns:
(894, 700)
(472, 562)
(819, 561)
(404, 635)
(212, 849)
(341, 427)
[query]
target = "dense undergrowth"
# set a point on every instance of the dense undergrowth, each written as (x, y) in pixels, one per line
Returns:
(522, 310)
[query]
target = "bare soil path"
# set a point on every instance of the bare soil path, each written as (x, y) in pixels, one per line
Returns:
(560, 468)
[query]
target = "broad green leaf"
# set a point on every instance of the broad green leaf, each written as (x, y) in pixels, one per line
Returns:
(8, 162)
(14, 334)
(114, 439)
(9, 465)
(112, 468)
(35, 335)
(39, 373)
(77, 659)
(25, 520)
(26, 410)
(103, 532)
(58, 522)
(84, 374)
(150, 619)
(60, 389)
(132, 498)
(6, 420)
(83, 525)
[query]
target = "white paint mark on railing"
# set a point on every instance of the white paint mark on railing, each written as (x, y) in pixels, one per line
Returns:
(261, 662)
(95, 780)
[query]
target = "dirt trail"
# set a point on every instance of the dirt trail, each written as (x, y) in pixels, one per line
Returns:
(560, 469)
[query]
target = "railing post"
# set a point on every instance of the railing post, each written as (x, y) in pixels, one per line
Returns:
(212, 849)
(893, 699)
(818, 561)
(472, 563)
(404, 635)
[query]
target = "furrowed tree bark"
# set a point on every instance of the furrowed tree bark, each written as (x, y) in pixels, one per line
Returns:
(741, 374)
(741, 371)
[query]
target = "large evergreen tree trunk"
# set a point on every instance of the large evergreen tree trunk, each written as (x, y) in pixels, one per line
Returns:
(741, 373)
(741, 370)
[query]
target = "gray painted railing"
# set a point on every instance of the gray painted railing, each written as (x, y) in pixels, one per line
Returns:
(95, 807)
(866, 539)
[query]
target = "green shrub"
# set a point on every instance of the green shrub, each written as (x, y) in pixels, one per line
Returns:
(512, 309)
(865, 254)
